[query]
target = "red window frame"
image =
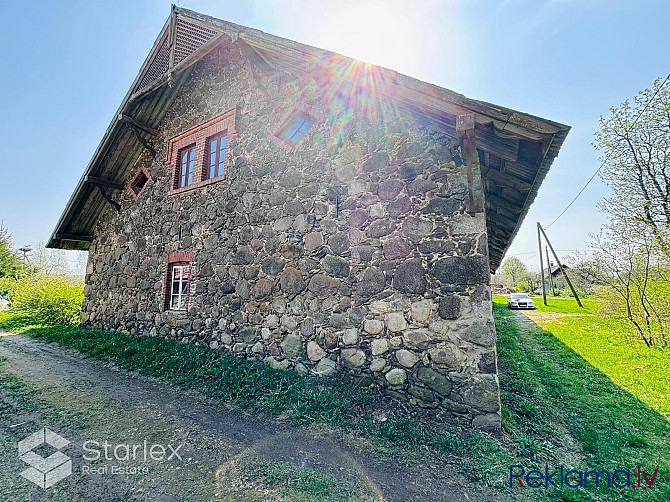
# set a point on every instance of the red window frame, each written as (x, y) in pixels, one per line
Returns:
(132, 184)
(215, 161)
(185, 175)
(294, 128)
(182, 259)
(283, 137)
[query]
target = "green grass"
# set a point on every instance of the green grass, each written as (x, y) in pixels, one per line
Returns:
(303, 483)
(558, 304)
(561, 404)
(609, 345)
(217, 374)
(560, 409)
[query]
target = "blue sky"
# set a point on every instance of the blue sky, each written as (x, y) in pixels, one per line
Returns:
(67, 65)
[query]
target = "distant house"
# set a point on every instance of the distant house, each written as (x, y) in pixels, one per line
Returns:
(318, 213)
(556, 270)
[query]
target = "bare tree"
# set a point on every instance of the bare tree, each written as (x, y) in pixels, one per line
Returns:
(50, 261)
(635, 142)
(628, 263)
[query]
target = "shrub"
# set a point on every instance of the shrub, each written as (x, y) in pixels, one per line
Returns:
(47, 300)
(8, 286)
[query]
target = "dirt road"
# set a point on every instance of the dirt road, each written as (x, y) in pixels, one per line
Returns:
(222, 453)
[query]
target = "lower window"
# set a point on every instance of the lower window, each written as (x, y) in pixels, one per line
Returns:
(180, 278)
(177, 281)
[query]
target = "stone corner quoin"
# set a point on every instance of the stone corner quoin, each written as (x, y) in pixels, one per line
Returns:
(351, 256)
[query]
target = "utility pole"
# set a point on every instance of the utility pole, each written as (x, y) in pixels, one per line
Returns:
(539, 228)
(539, 244)
(551, 276)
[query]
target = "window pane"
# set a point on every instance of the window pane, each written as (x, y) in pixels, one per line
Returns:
(305, 126)
(297, 137)
(184, 169)
(222, 168)
(297, 123)
(224, 142)
(212, 146)
(178, 286)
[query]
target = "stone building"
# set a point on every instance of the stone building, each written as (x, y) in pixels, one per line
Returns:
(311, 211)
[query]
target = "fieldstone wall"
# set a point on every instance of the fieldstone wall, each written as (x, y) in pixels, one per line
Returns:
(351, 257)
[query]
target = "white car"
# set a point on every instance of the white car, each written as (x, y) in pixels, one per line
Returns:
(520, 301)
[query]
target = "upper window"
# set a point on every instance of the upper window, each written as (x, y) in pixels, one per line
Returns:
(297, 129)
(217, 157)
(200, 156)
(293, 129)
(186, 165)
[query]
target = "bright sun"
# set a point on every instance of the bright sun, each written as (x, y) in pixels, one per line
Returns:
(372, 31)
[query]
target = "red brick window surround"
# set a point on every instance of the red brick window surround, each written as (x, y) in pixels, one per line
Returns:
(139, 183)
(200, 140)
(177, 281)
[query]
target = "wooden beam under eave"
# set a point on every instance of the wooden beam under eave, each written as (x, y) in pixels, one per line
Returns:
(127, 119)
(75, 238)
(465, 128)
(507, 223)
(93, 180)
(496, 201)
(506, 179)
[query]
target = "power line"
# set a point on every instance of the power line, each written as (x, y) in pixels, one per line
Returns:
(602, 164)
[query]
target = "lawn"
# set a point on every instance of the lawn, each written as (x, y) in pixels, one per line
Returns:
(574, 394)
(609, 345)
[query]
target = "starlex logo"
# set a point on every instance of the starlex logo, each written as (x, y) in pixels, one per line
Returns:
(572, 478)
(45, 472)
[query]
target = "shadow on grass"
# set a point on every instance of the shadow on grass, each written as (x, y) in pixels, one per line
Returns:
(560, 410)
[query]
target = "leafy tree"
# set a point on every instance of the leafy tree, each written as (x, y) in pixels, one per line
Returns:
(532, 280)
(635, 142)
(513, 269)
(10, 264)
